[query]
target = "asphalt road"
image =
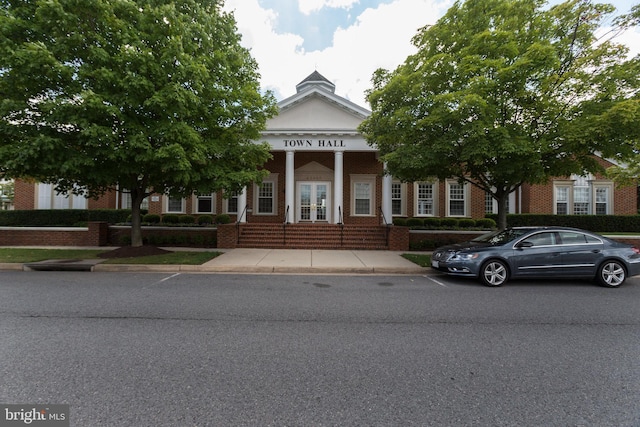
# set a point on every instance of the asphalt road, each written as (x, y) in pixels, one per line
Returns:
(247, 350)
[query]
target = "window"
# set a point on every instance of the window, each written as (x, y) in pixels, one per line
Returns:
(232, 203)
(266, 198)
(456, 198)
(583, 196)
(397, 199)
(363, 194)
(174, 205)
(363, 198)
(602, 200)
(489, 203)
(425, 199)
(125, 201)
(541, 239)
(205, 203)
(49, 199)
(562, 200)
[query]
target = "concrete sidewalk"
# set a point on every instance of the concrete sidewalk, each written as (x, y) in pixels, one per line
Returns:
(281, 261)
(264, 261)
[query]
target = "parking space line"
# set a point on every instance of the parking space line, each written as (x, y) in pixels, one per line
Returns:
(437, 282)
(162, 280)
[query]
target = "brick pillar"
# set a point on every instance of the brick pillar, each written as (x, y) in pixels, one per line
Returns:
(398, 238)
(227, 236)
(98, 233)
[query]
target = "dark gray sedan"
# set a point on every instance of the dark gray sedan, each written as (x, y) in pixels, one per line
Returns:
(538, 252)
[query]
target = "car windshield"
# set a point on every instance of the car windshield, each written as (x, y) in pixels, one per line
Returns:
(501, 237)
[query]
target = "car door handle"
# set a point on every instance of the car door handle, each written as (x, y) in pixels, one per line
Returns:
(596, 251)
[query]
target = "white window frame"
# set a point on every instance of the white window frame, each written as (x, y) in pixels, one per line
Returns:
(465, 198)
(594, 186)
(47, 198)
(273, 181)
(434, 194)
(167, 204)
(234, 195)
(125, 201)
(369, 180)
(196, 202)
(402, 199)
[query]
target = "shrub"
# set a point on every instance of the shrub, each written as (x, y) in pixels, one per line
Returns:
(401, 222)
(466, 223)
(415, 222)
(205, 219)
(432, 222)
(151, 218)
(170, 219)
(186, 219)
(486, 223)
(61, 217)
(223, 219)
(449, 222)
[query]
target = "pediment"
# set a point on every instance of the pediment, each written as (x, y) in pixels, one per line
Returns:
(313, 171)
(316, 110)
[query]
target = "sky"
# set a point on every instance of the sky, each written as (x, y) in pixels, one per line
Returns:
(344, 40)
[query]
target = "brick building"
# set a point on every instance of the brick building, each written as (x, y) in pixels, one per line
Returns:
(323, 171)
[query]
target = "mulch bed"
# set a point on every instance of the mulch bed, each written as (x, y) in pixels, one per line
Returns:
(132, 252)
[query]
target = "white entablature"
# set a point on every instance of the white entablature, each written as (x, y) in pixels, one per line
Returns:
(316, 119)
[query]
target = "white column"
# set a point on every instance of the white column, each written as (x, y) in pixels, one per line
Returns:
(338, 187)
(387, 180)
(242, 204)
(289, 188)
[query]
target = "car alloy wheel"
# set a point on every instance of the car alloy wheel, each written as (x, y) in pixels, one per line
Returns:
(494, 273)
(612, 274)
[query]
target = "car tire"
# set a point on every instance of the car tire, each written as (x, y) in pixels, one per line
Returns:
(611, 274)
(494, 273)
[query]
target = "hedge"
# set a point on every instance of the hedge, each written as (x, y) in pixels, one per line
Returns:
(595, 223)
(61, 217)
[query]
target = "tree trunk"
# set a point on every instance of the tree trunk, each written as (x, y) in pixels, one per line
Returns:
(502, 210)
(137, 196)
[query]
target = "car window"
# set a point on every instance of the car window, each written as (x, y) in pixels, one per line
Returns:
(497, 238)
(541, 239)
(572, 238)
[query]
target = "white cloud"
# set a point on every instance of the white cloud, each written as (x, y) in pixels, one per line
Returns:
(309, 6)
(381, 37)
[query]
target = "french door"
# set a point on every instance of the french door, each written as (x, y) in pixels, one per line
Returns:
(313, 201)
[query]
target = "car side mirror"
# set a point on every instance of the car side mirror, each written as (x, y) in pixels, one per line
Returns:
(524, 245)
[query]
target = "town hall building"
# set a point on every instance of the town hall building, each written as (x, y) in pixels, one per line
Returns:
(324, 172)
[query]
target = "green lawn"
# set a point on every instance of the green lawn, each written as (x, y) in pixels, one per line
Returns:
(421, 260)
(20, 255)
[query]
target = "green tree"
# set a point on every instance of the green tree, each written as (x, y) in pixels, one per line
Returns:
(502, 93)
(151, 96)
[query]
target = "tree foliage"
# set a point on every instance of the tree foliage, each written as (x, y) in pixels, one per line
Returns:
(152, 96)
(502, 93)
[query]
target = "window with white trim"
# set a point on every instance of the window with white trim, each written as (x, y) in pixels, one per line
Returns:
(363, 195)
(457, 198)
(126, 202)
(206, 203)
(398, 205)
(232, 203)
(425, 198)
(562, 200)
(266, 198)
(49, 199)
(174, 204)
(583, 195)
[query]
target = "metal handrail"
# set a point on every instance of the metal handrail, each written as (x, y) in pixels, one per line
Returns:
(341, 224)
(238, 224)
(386, 232)
(284, 226)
